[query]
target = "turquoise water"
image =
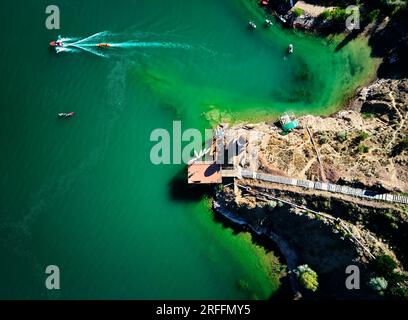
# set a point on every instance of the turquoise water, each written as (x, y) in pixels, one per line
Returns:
(82, 194)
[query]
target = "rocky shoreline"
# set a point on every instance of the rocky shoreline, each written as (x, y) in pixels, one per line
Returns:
(287, 252)
(383, 23)
(325, 231)
(364, 145)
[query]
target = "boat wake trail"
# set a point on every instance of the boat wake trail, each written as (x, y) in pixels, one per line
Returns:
(104, 44)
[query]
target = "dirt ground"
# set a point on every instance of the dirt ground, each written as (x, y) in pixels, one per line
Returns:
(361, 146)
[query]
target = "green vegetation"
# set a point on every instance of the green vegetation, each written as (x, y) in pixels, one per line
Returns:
(393, 6)
(400, 147)
(337, 14)
(373, 15)
(367, 115)
(342, 136)
(403, 145)
(363, 148)
(379, 284)
(399, 285)
(385, 265)
(309, 281)
(389, 280)
(220, 187)
(362, 136)
(307, 277)
(297, 12)
(322, 137)
(272, 205)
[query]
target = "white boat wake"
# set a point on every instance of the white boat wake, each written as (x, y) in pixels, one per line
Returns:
(101, 44)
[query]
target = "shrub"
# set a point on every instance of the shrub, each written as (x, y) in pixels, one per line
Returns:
(367, 115)
(363, 148)
(404, 144)
(337, 14)
(272, 205)
(400, 147)
(379, 284)
(362, 136)
(394, 5)
(307, 277)
(342, 136)
(373, 15)
(297, 12)
(321, 137)
(385, 265)
(309, 281)
(220, 187)
(399, 285)
(400, 292)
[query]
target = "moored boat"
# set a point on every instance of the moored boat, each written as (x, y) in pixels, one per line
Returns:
(268, 23)
(252, 25)
(290, 49)
(66, 115)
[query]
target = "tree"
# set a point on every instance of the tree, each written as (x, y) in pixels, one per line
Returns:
(342, 136)
(363, 148)
(379, 284)
(399, 285)
(373, 15)
(307, 277)
(309, 281)
(394, 5)
(362, 136)
(385, 265)
(400, 147)
(297, 12)
(337, 14)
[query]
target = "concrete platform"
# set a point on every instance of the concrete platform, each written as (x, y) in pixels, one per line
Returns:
(204, 173)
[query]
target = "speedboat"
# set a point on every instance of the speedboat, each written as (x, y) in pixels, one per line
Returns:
(252, 25)
(57, 44)
(103, 45)
(290, 49)
(66, 115)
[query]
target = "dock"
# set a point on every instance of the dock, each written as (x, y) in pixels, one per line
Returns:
(204, 172)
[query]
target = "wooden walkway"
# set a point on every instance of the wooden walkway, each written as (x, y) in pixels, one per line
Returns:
(321, 186)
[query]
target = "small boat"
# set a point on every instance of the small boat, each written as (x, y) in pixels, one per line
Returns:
(268, 23)
(290, 49)
(103, 45)
(66, 115)
(252, 25)
(56, 44)
(281, 18)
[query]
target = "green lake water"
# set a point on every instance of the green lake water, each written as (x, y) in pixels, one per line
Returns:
(83, 195)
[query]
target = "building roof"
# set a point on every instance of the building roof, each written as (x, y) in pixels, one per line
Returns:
(289, 126)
